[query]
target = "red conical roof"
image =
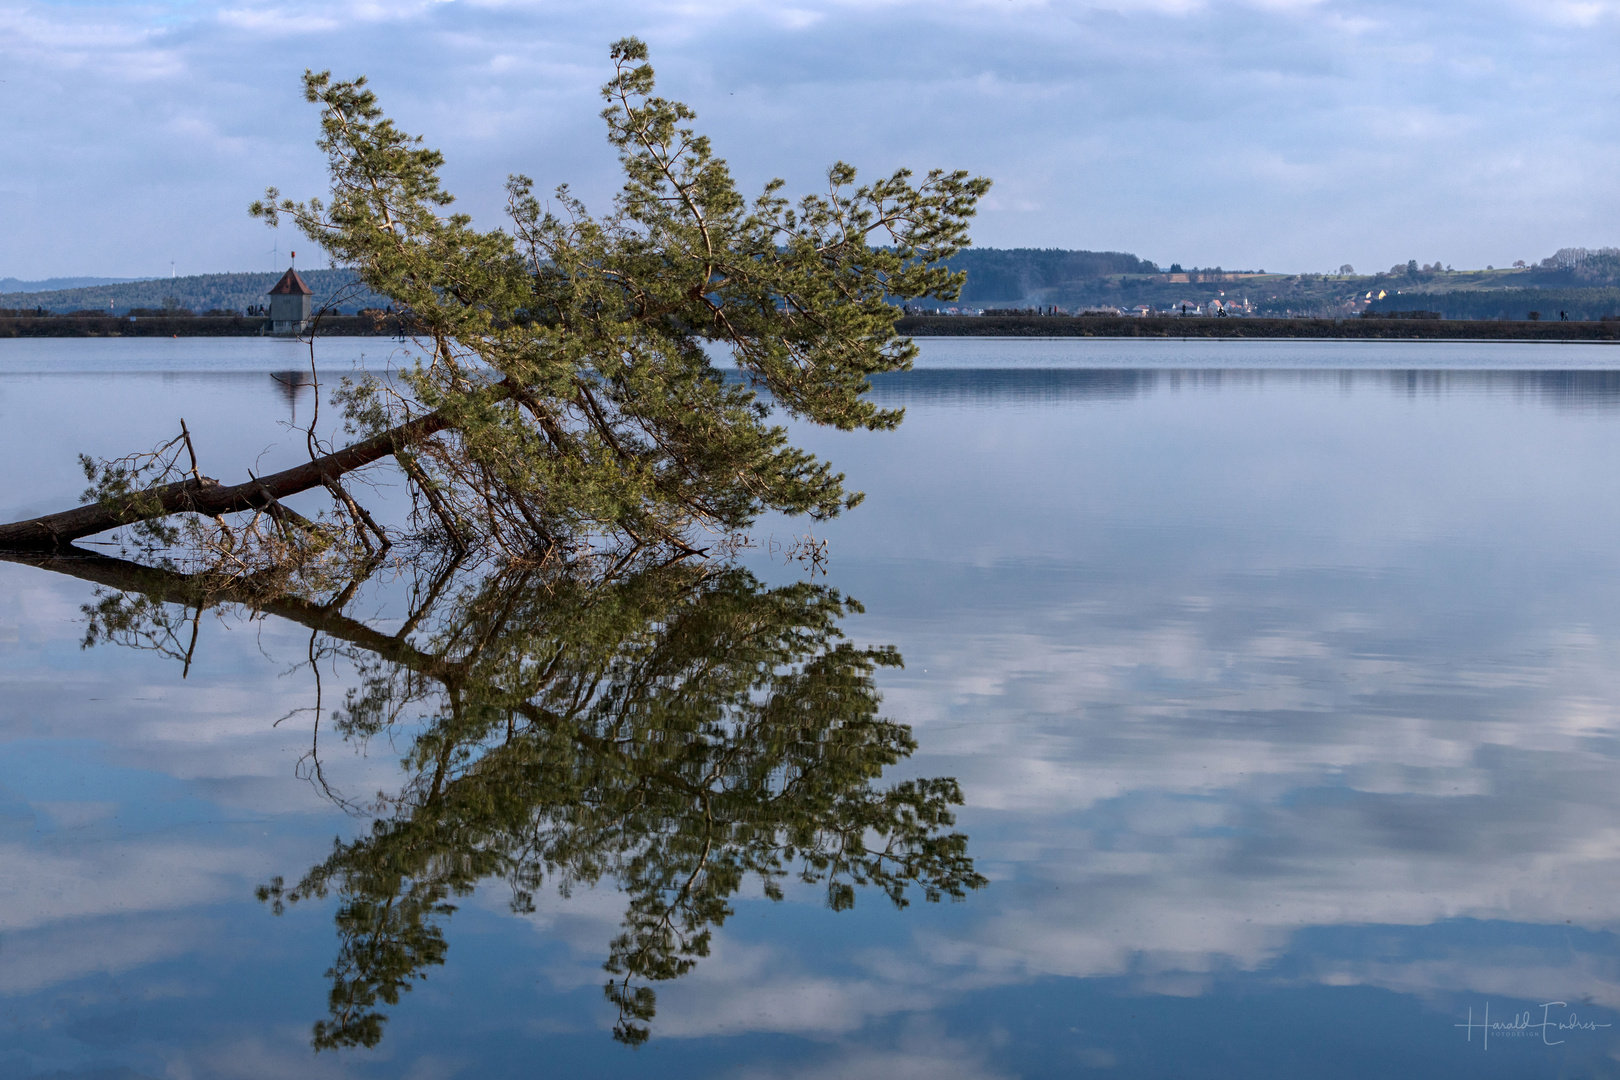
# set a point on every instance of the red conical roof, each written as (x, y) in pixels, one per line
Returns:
(291, 285)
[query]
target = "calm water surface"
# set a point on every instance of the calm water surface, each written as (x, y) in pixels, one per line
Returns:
(1281, 680)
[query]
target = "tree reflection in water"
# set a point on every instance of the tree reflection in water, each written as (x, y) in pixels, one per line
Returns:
(673, 730)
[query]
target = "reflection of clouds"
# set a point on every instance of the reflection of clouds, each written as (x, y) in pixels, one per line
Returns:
(42, 887)
(75, 813)
(922, 1051)
(80, 947)
(215, 730)
(740, 987)
(105, 754)
(932, 1063)
(218, 739)
(1167, 791)
(753, 987)
(284, 1055)
(1522, 973)
(1462, 960)
(584, 921)
(1221, 677)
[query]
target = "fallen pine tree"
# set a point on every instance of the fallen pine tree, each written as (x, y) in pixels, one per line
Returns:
(569, 390)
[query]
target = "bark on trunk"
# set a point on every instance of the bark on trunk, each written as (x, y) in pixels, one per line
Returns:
(210, 496)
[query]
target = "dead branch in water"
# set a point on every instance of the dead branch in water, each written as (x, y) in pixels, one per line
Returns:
(210, 498)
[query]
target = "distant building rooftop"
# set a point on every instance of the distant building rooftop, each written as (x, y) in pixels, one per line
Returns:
(291, 285)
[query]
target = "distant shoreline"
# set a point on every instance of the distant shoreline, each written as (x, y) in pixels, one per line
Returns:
(1353, 329)
(68, 326)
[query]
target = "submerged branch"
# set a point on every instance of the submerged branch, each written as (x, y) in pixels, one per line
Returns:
(206, 496)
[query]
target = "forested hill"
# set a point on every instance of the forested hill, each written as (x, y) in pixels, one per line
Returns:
(995, 275)
(199, 293)
(14, 285)
(1016, 275)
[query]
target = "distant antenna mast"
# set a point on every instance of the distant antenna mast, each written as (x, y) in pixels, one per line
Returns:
(173, 273)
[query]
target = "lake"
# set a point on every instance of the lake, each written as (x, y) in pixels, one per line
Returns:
(1280, 680)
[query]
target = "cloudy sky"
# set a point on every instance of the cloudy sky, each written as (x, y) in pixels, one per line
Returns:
(1276, 134)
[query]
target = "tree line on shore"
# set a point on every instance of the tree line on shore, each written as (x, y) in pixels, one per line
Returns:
(1573, 280)
(1072, 280)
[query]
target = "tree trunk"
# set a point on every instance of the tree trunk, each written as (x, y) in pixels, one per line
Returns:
(210, 496)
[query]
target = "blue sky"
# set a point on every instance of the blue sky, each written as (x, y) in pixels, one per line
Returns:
(1278, 134)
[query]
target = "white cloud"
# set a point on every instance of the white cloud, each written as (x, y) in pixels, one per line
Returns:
(1578, 13)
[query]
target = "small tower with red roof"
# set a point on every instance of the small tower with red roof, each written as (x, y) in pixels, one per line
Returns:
(290, 304)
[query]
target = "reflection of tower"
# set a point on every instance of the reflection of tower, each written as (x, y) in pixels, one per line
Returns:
(290, 304)
(291, 382)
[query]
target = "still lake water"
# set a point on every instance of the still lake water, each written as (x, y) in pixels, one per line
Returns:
(1281, 679)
